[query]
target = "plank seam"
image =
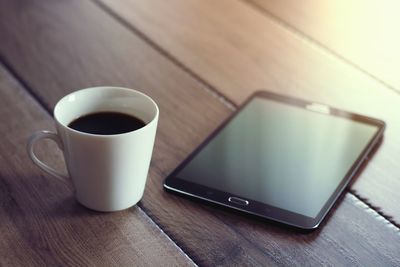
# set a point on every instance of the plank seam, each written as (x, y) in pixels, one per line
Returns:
(376, 209)
(24, 85)
(165, 234)
(318, 45)
(204, 84)
(182, 247)
(211, 89)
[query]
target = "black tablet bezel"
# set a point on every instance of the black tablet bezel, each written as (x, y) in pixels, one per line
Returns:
(173, 183)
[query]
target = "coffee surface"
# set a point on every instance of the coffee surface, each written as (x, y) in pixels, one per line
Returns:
(106, 123)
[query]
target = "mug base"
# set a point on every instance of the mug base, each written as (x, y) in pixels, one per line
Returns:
(105, 208)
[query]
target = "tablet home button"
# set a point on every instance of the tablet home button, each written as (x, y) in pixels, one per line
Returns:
(238, 201)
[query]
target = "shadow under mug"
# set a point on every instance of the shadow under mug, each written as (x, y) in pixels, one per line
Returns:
(109, 172)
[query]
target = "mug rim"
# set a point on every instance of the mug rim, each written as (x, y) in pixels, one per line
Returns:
(152, 121)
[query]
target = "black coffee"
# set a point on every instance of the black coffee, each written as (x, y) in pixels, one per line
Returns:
(106, 123)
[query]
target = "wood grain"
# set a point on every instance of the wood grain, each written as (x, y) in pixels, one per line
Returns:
(238, 50)
(41, 223)
(58, 46)
(362, 32)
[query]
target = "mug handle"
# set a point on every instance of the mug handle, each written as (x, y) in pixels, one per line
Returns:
(31, 142)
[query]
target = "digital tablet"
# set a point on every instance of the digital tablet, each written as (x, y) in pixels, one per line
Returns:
(280, 158)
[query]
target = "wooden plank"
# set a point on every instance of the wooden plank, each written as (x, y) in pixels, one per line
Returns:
(40, 222)
(79, 51)
(238, 50)
(362, 32)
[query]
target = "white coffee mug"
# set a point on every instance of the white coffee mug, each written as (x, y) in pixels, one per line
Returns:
(108, 172)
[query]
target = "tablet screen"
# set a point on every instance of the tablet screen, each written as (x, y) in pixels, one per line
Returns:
(281, 155)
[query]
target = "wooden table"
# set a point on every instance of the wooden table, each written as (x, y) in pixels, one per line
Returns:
(199, 59)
